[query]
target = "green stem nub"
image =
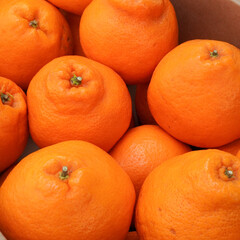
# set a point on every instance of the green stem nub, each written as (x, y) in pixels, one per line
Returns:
(75, 80)
(228, 173)
(64, 174)
(6, 97)
(214, 53)
(34, 23)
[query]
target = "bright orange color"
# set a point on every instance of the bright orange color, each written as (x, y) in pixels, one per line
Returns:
(192, 196)
(131, 37)
(89, 203)
(97, 109)
(32, 34)
(233, 148)
(4, 175)
(142, 108)
(132, 236)
(194, 93)
(74, 22)
(142, 149)
(13, 122)
(73, 6)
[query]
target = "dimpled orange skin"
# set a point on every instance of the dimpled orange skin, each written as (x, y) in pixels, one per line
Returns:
(73, 6)
(195, 96)
(13, 123)
(142, 108)
(24, 49)
(190, 197)
(132, 236)
(91, 204)
(99, 110)
(142, 149)
(74, 22)
(131, 37)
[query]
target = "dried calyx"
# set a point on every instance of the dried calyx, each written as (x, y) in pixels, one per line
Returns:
(33, 23)
(214, 53)
(76, 80)
(6, 98)
(64, 174)
(229, 173)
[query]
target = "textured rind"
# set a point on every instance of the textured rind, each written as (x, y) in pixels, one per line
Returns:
(187, 196)
(195, 97)
(98, 111)
(13, 124)
(96, 202)
(129, 38)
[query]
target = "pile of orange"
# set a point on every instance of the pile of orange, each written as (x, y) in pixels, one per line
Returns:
(110, 168)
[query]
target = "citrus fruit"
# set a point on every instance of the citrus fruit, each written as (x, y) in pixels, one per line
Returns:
(32, 34)
(194, 93)
(233, 147)
(142, 149)
(192, 196)
(71, 190)
(131, 37)
(75, 98)
(73, 6)
(13, 122)
(74, 22)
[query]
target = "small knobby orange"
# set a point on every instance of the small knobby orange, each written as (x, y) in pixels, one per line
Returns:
(192, 196)
(75, 98)
(13, 122)
(32, 34)
(71, 190)
(142, 149)
(194, 93)
(131, 37)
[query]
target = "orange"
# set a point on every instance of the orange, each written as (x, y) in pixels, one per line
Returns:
(73, 6)
(233, 147)
(142, 108)
(71, 190)
(192, 196)
(74, 22)
(74, 98)
(142, 149)
(132, 236)
(32, 34)
(194, 93)
(131, 37)
(13, 122)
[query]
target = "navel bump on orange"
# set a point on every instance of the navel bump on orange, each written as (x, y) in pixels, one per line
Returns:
(75, 98)
(13, 122)
(131, 37)
(192, 196)
(194, 93)
(72, 190)
(32, 34)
